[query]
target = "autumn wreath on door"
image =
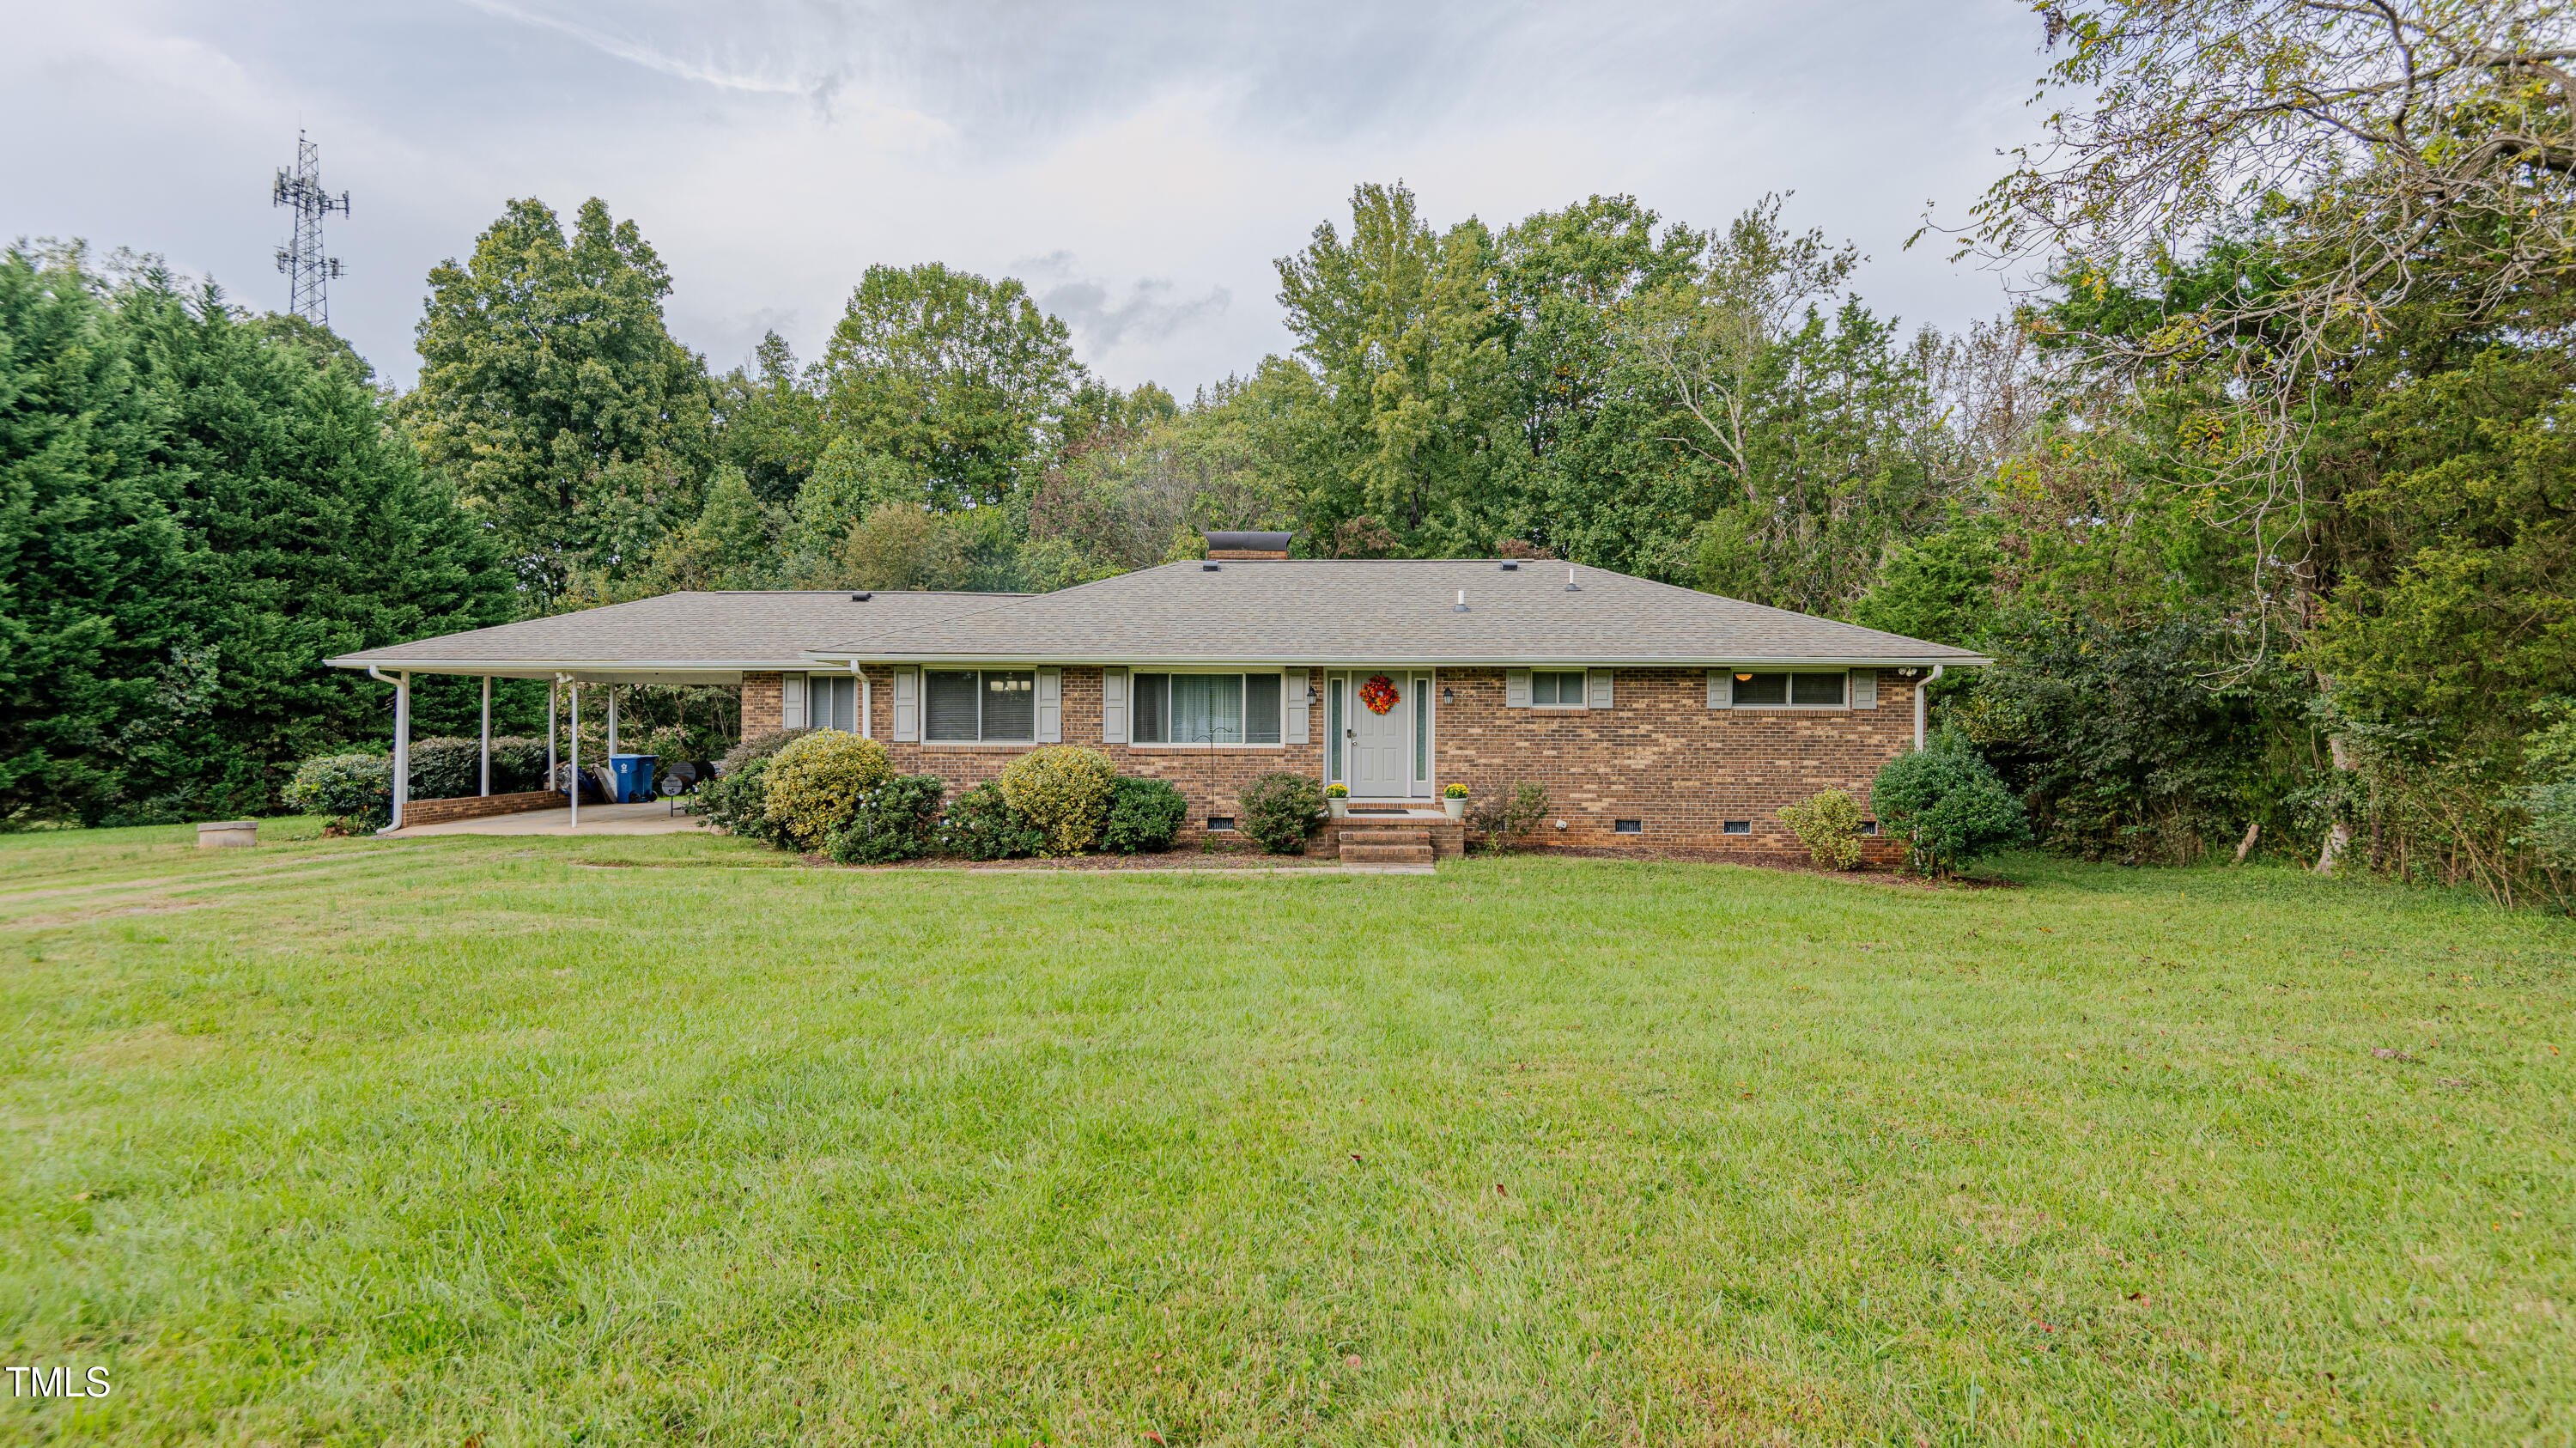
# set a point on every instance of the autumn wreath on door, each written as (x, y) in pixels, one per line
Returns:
(1379, 694)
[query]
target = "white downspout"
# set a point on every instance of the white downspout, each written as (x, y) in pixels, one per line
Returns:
(867, 702)
(1923, 703)
(402, 741)
(487, 736)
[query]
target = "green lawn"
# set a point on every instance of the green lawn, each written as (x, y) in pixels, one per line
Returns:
(425, 1142)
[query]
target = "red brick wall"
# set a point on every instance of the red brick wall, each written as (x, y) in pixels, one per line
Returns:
(1662, 756)
(1659, 754)
(1209, 778)
(762, 708)
(480, 806)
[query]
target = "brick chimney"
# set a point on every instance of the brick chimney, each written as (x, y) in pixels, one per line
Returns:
(1247, 547)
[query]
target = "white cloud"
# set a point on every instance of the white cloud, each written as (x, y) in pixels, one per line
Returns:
(1140, 166)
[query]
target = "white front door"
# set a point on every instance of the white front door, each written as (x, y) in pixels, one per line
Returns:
(1380, 746)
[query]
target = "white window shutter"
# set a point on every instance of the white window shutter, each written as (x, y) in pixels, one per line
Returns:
(1516, 690)
(1113, 706)
(907, 705)
(1597, 690)
(1721, 688)
(1864, 689)
(1050, 706)
(1292, 706)
(791, 701)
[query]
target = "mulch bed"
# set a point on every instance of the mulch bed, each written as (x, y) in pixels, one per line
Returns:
(1795, 862)
(1175, 860)
(1787, 862)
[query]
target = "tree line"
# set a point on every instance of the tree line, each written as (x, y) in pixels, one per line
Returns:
(2259, 493)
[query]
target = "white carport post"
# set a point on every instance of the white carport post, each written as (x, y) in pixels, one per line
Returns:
(574, 783)
(554, 688)
(487, 734)
(402, 742)
(612, 726)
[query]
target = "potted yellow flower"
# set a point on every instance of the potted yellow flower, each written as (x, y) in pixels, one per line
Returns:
(1453, 798)
(1337, 799)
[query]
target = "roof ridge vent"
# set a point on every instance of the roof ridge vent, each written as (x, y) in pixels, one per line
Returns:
(862, 596)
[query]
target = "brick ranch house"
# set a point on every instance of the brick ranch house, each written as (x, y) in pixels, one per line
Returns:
(1655, 716)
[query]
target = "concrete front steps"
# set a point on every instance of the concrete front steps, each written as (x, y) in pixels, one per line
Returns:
(1407, 843)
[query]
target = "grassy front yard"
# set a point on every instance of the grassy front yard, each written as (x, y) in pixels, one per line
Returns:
(450, 1139)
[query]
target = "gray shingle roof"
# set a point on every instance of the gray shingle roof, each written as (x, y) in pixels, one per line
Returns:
(1301, 611)
(677, 631)
(1392, 612)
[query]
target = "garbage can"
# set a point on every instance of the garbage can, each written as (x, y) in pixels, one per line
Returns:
(634, 776)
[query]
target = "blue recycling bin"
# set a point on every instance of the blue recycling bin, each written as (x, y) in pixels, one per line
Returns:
(634, 775)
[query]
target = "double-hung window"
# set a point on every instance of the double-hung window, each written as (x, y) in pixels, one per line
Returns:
(832, 702)
(1206, 709)
(991, 706)
(1554, 689)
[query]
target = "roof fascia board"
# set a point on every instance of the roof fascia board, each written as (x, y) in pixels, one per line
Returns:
(484, 666)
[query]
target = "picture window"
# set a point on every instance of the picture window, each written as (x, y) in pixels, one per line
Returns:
(1206, 709)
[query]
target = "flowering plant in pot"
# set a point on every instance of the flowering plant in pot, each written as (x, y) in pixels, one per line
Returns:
(1337, 798)
(1453, 798)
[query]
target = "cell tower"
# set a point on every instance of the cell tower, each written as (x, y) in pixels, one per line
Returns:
(307, 270)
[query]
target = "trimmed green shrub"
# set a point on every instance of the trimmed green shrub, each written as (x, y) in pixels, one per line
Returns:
(1145, 816)
(815, 783)
(1278, 810)
(1948, 804)
(897, 820)
(447, 768)
(981, 825)
(738, 803)
(1064, 791)
(357, 790)
(1828, 824)
(737, 799)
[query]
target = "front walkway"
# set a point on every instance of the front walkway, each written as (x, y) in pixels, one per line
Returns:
(652, 817)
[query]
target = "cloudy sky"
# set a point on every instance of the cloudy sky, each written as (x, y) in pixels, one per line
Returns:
(1140, 164)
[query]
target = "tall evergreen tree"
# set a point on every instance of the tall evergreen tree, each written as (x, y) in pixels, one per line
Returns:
(94, 565)
(316, 532)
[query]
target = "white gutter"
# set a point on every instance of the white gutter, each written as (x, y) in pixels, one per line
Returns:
(536, 667)
(1338, 660)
